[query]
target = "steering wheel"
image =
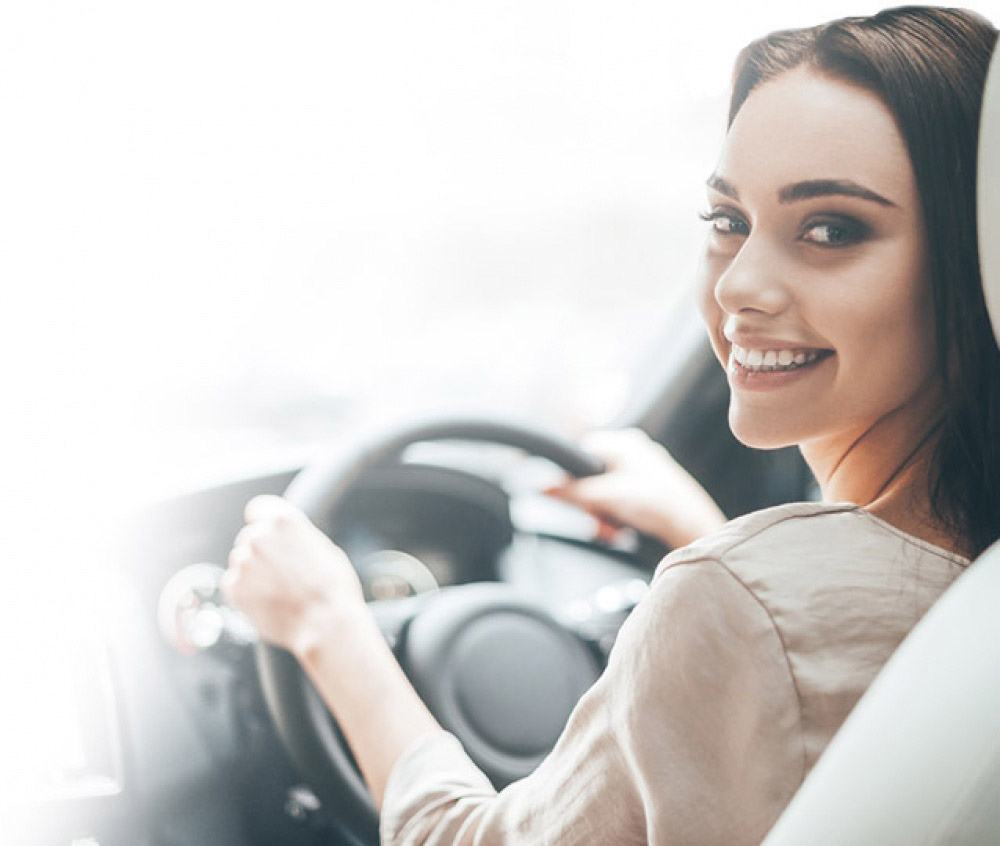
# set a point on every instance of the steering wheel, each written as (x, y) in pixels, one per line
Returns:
(496, 670)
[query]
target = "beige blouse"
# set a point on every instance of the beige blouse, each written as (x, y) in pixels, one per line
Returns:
(725, 685)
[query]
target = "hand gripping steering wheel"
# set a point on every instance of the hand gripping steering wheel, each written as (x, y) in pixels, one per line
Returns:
(495, 669)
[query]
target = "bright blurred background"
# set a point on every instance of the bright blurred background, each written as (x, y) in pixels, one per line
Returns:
(228, 229)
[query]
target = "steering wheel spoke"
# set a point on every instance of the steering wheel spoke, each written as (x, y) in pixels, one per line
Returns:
(597, 618)
(393, 615)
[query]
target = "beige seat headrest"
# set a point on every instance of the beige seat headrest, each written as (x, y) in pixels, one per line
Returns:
(988, 194)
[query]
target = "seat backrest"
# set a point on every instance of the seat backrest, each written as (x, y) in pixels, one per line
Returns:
(918, 760)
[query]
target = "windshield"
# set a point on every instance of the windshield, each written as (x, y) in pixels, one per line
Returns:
(230, 231)
(239, 227)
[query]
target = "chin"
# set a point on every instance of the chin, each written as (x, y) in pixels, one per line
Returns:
(760, 431)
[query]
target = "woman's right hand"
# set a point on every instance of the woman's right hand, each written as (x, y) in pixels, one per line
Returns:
(644, 488)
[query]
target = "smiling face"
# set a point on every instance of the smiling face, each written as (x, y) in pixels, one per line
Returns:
(813, 282)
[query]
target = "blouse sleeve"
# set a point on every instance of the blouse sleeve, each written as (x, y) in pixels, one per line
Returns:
(691, 736)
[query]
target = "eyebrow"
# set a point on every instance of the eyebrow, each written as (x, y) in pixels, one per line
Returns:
(827, 188)
(807, 190)
(717, 183)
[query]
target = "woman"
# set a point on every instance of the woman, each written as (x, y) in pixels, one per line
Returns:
(841, 292)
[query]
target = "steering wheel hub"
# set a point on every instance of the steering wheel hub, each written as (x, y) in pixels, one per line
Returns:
(499, 673)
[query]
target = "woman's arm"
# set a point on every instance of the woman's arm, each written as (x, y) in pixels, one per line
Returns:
(302, 593)
(691, 734)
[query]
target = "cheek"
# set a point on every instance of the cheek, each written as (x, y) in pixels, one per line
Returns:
(916, 350)
(891, 341)
(915, 331)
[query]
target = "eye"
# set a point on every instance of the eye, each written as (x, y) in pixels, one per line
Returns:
(726, 222)
(834, 232)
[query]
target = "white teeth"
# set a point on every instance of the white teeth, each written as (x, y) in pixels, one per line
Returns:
(767, 360)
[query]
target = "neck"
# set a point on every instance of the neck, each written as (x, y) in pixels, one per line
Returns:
(885, 469)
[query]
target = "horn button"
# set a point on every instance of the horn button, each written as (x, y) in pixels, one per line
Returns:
(500, 674)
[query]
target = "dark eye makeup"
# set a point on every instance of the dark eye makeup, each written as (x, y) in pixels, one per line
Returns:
(826, 231)
(834, 231)
(726, 222)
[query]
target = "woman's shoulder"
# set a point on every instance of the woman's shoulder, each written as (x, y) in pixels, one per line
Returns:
(821, 542)
(839, 587)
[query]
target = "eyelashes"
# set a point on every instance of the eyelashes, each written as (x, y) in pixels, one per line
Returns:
(726, 222)
(825, 231)
(838, 232)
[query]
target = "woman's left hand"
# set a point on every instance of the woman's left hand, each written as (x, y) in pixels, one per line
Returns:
(288, 577)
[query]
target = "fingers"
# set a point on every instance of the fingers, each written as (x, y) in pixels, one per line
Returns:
(620, 450)
(605, 445)
(254, 540)
(591, 496)
(563, 491)
(607, 531)
(269, 507)
(247, 546)
(599, 499)
(265, 516)
(230, 582)
(611, 447)
(247, 535)
(234, 582)
(616, 446)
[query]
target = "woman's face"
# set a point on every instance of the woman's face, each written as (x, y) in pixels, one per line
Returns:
(814, 276)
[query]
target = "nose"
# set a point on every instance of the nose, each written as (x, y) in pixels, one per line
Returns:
(752, 281)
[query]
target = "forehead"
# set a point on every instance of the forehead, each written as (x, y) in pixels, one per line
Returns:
(803, 125)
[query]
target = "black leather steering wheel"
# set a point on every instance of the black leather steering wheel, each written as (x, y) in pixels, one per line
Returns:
(495, 669)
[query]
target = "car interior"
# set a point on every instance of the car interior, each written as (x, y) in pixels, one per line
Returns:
(207, 737)
(501, 605)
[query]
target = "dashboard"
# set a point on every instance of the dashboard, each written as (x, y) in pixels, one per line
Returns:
(416, 528)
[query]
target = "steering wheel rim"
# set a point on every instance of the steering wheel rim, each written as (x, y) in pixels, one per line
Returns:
(302, 720)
